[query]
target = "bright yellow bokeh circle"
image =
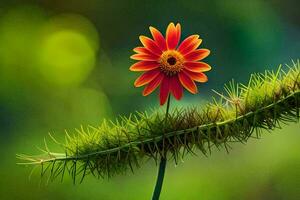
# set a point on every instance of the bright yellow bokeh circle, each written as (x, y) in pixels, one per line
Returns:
(66, 57)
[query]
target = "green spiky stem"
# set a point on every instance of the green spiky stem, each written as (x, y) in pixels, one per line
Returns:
(265, 103)
(162, 164)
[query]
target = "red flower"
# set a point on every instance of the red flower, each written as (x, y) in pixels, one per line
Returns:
(169, 64)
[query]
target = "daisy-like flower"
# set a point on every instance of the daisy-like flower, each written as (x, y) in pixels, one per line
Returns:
(170, 64)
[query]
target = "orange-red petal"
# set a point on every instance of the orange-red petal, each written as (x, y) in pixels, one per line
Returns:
(150, 45)
(197, 66)
(193, 46)
(153, 84)
(146, 78)
(172, 34)
(158, 38)
(176, 87)
(142, 50)
(188, 44)
(196, 55)
(164, 90)
(148, 57)
(178, 28)
(187, 82)
(144, 66)
(199, 77)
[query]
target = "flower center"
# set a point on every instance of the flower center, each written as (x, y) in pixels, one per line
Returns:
(171, 62)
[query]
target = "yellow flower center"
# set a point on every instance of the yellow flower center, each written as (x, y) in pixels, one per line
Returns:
(171, 62)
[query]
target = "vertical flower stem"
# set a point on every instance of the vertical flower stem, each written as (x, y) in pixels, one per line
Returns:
(160, 178)
(168, 106)
(162, 165)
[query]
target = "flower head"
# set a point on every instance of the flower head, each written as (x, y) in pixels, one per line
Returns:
(170, 64)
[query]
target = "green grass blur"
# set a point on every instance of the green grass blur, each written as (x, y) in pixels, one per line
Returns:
(65, 63)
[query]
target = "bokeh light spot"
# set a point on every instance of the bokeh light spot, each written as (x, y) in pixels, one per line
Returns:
(66, 58)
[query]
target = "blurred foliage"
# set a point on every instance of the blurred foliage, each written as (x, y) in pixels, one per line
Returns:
(65, 63)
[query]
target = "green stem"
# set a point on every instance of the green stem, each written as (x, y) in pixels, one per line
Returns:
(168, 106)
(160, 178)
(162, 165)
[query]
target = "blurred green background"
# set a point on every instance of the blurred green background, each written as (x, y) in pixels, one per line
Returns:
(65, 63)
